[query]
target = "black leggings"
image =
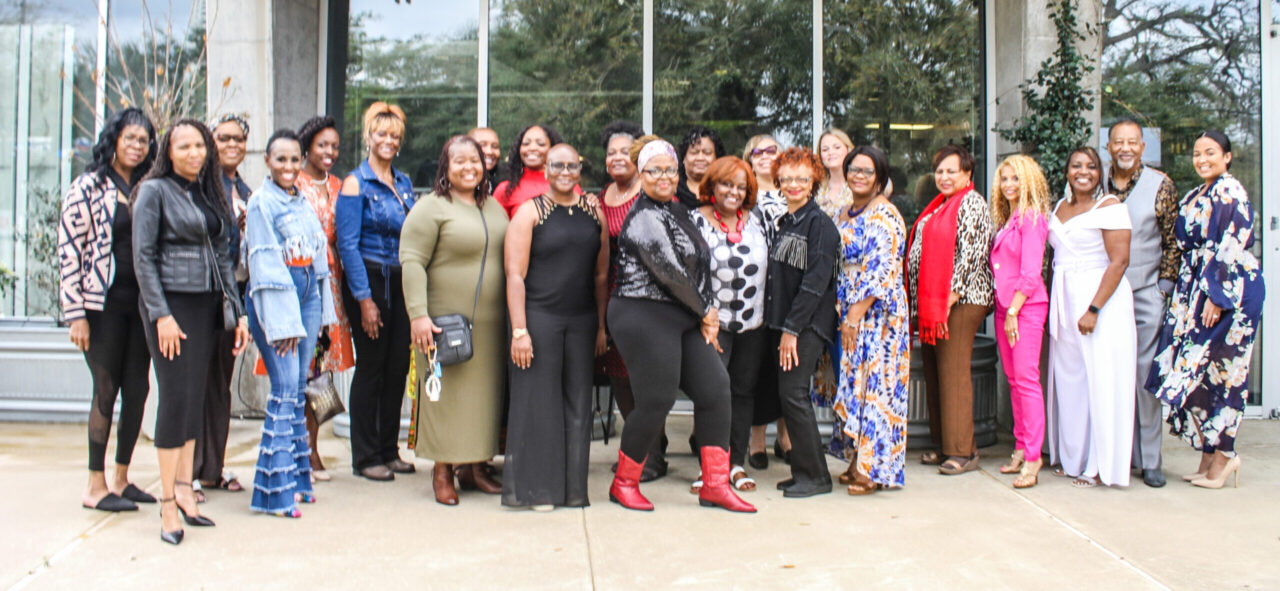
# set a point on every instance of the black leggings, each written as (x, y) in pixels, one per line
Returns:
(377, 388)
(180, 406)
(664, 351)
(742, 354)
(120, 364)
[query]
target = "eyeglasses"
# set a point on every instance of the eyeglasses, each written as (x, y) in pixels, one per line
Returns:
(229, 138)
(761, 151)
(137, 140)
(795, 180)
(855, 171)
(559, 167)
(661, 172)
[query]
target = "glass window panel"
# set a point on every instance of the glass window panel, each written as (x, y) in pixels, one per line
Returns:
(422, 57)
(575, 68)
(48, 50)
(155, 59)
(1180, 76)
(906, 76)
(740, 68)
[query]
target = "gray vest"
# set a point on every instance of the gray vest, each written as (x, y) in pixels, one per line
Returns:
(1144, 243)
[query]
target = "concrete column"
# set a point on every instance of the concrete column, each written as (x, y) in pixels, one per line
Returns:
(1025, 37)
(263, 59)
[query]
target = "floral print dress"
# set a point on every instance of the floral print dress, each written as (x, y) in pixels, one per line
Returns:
(1202, 372)
(870, 403)
(340, 356)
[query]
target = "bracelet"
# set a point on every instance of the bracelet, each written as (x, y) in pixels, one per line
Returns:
(1093, 308)
(519, 332)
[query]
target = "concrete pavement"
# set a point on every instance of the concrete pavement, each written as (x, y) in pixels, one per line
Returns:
(966, 532)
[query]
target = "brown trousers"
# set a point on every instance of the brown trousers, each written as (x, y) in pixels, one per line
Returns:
(948, 386)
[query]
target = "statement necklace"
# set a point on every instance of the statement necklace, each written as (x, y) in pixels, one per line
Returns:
(735, 236)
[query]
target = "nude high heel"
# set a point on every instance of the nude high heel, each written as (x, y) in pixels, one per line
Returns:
(1231, 469)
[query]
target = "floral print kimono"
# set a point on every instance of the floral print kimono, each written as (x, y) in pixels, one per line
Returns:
(1202, 372)
(870, 399)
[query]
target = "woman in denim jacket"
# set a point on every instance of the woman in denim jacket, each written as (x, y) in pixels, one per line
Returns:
(288, 301)
(371, 210)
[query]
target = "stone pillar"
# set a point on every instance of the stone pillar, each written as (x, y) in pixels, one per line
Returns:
(1025, 38)
(263, 58)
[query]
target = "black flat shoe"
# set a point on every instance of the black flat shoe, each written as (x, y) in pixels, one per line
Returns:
(377, 472)
(653, 470)
(785, 456)
(759, 460)
(113, 503)
(785, 484)
(137, 495)
(807, 489)
(1153, 478)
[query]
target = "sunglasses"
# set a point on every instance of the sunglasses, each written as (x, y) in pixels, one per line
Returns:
(761, 151)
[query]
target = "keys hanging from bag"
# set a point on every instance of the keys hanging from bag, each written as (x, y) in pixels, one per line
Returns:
(454, 340)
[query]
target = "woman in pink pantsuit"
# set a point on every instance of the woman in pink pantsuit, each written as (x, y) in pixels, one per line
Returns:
(1020, 210)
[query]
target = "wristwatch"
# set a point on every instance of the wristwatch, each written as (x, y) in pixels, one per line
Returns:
(1093, 308)
(519, 332)
(1012, 313)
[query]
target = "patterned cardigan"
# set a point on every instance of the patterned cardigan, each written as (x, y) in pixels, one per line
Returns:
(84, 244)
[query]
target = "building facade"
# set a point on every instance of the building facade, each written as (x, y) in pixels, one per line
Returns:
(908, 76)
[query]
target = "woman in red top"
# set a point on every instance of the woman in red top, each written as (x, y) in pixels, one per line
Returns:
(526, 164)
(320, 139)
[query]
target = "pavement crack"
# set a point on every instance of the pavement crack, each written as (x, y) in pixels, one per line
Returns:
(586, 534)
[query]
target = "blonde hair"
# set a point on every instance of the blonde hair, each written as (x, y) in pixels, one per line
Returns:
(839, 134)
(638, 144)
(381, 116)
(1033, 190)
(755, 141)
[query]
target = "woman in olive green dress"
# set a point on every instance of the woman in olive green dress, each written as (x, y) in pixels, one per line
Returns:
(445, 238)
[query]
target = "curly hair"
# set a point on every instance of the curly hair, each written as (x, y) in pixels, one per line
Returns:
(104, 152)
(617, 128)
(312, 127)
(801, 157)
(695, 135)
(442, 185)
(1033, 190)
(515, 166)
(721, 170)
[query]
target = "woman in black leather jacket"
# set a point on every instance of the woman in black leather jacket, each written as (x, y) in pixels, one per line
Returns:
(664, 323)
(182, 229)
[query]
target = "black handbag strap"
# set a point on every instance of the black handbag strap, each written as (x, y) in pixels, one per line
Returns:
(484, 254)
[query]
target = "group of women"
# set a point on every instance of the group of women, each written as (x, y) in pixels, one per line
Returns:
(729, 279)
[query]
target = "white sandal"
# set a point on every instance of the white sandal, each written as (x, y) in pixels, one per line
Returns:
(697, 485)
(740, 483)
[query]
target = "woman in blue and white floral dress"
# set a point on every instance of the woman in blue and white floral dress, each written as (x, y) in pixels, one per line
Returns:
(870, 403)
(1201, 369)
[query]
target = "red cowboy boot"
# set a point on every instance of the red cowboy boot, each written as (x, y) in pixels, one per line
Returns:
(715, 482)
(625, 489)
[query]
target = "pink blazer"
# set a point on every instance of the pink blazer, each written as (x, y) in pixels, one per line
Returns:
(1017, 257)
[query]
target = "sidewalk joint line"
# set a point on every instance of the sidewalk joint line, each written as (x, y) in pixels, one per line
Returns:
(1092, 542)
(586, 533)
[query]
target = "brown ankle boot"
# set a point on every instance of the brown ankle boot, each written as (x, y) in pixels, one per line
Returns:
(442, 484)
(476, 477)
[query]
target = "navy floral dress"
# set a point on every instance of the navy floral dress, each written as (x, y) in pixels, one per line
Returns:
(1202, 372)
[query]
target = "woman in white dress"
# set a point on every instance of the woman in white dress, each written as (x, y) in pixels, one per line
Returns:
(1093, 339)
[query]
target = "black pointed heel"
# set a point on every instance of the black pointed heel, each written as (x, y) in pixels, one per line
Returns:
(198, 520)
(170, 537)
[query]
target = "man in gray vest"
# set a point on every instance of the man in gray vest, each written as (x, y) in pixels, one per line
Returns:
(1153, 270)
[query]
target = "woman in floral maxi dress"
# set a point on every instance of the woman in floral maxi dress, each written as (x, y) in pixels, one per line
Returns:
(1201, 369)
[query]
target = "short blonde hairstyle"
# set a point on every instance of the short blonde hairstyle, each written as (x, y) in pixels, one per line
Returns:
(839, 134)
(384, 117)
(1033, 190)
(638, 145)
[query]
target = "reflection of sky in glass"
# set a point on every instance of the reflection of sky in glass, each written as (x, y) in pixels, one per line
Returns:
(81, 14)
(128, 17)
(438, 19)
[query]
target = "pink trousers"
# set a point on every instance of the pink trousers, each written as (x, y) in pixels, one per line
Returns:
(1022, 367)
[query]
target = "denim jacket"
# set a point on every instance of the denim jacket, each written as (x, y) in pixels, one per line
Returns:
(281, 227)
(368, 225)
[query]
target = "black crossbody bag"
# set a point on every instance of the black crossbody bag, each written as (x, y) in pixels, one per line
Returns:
(453, 343)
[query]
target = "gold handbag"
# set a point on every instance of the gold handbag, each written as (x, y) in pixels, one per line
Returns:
(323, 398)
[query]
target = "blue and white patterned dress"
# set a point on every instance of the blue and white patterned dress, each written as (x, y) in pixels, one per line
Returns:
(1202, 372)
(870, 403)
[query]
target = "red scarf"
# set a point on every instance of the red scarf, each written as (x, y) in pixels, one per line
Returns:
(937, 262)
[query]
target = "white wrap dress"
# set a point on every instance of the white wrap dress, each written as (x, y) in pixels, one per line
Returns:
(1091, 377)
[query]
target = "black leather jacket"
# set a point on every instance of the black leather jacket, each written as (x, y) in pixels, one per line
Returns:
(169, 251)
(662, 257)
